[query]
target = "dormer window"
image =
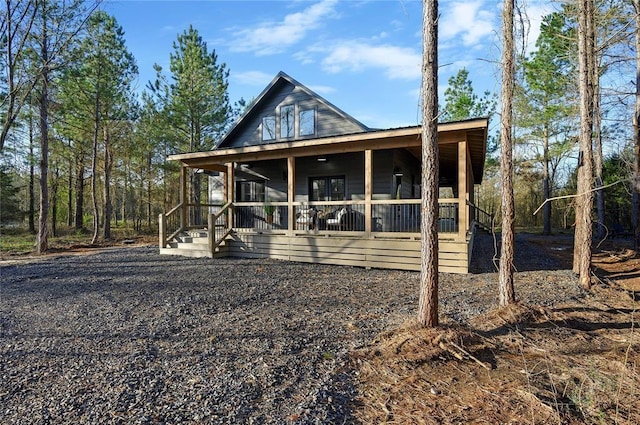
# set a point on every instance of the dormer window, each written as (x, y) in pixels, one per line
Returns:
(269, 128)
(307, 122)
(287, 122)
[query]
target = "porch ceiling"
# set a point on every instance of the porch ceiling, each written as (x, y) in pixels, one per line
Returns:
(475, 132)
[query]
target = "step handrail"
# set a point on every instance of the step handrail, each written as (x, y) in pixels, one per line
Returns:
(164, 220)
(214, 240)
(480, 214)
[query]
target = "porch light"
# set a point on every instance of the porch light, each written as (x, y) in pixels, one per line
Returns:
(322, 159)
(397, 172)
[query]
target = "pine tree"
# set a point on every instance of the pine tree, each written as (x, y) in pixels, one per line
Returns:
(9, 202)
(99, 89)
(505, 284)
(544, 114)
(584, 199)
(199, 103)
(428, 302)
(462, 103)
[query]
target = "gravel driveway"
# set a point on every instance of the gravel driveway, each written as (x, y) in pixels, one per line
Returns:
(128, 336)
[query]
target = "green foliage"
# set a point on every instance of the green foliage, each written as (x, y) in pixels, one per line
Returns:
(545, 108)
(462, 103)
(617, 172)
(198, 100)
(9, 203)
(97, 86)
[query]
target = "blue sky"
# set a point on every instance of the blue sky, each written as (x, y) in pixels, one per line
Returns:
(364, 56)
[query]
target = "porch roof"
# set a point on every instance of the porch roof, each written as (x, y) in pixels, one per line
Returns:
(449, 134)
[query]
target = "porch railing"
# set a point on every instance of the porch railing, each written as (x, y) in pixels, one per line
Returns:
(170, 224)
(387, 216)
(260, 216)
(218, 226)
(184, 217)
(197, 214)
(483, 218)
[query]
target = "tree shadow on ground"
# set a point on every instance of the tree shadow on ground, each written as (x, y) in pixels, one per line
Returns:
(532, 252)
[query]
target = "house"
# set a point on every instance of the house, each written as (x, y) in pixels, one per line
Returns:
(301, 180)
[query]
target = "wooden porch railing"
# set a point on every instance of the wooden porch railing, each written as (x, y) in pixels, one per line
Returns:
(483, 218)
(170, 224)
(218, 226)
(184, 217)
(391, 217)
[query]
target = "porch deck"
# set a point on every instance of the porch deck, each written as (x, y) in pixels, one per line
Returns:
(391, 241)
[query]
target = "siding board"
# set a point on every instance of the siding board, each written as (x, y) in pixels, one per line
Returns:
(374, 253)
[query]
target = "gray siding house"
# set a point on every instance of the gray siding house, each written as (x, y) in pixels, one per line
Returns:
(298, 179)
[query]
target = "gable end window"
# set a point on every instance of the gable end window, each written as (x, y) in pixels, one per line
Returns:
(287, 121)
(307, 122)
(269, 128)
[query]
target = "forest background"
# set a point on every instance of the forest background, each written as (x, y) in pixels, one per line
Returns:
(83, 152)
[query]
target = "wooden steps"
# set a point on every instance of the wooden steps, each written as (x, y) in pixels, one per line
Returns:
(192, 243)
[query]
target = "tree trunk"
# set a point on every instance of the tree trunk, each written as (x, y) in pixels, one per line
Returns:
(597, 152)
(70, 193)
(32, 177)
(108, 164)
(79, 213)
(149, 165)
(94, 173)
(505, 284)
(42, 242)
(584, 200)
(54, 201)
(546, 185)
(636, 145)
(428, 302)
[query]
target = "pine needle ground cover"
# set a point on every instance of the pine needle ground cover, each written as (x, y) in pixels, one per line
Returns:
(573, 363)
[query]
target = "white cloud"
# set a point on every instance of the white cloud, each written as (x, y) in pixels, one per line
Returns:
(275, 37)
(397, 62)
(323, 89)
(467, 22)
(252, 78)
(535, 13)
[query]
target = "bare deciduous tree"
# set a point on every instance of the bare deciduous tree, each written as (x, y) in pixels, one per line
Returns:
(15, 26)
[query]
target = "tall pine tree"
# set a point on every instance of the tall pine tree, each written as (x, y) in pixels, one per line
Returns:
(198, 101)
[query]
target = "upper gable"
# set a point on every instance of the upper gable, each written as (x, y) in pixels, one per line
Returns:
(287, 111)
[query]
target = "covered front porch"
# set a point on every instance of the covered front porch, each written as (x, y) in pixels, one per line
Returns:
(348, 200)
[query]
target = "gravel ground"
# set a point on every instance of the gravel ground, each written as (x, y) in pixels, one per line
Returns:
(128, 336)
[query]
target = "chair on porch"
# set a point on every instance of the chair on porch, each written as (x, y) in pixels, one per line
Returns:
(337, 221)
(306, 219)
(346, 219)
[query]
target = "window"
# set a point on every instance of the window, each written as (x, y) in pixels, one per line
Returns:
(327, 188)
(269, 128)
(287, 121)
(250, 191)
(307, 122)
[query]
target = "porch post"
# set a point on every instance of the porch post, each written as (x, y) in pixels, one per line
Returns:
(368, 189)
(463, 190)
(229, 192)
(470, 188)
(162, 230)
(183, 197)
(291, 193)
